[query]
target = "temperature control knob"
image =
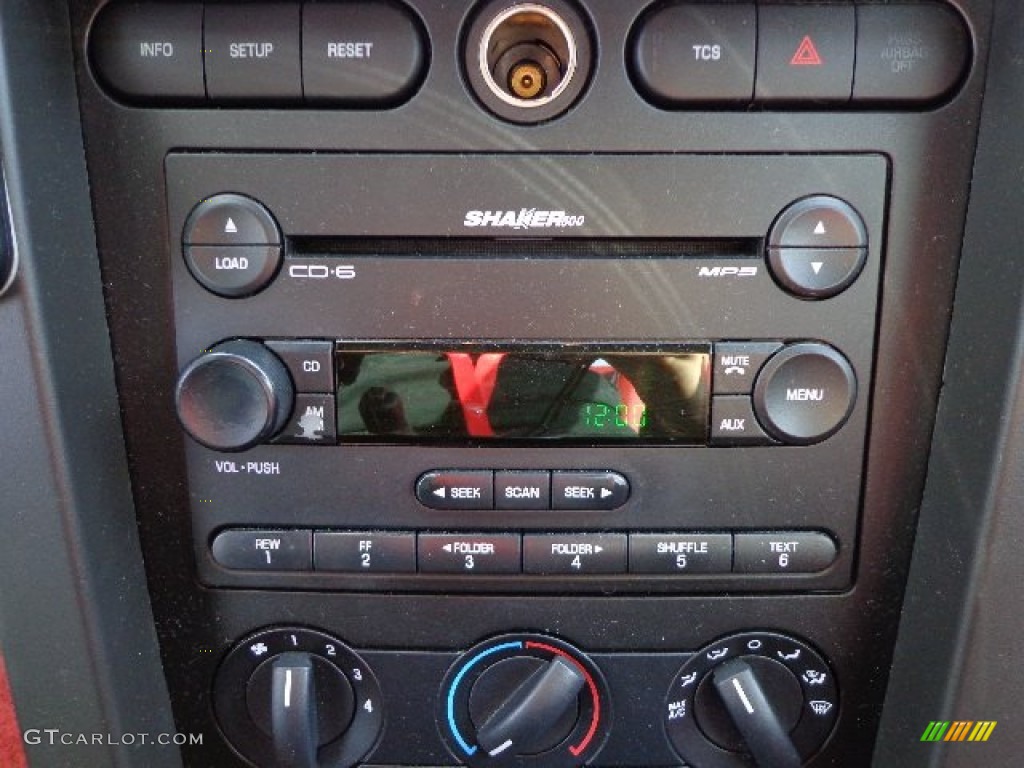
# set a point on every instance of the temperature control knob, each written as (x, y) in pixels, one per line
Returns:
(297, 698)
(757, 698)
(234, 396)
(524, 700)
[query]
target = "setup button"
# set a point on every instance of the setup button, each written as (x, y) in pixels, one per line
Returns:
(454, 489)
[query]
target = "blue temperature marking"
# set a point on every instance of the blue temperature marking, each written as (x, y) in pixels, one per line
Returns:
(455, 684)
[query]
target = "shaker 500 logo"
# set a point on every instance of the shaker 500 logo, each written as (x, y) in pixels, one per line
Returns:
(524, 218)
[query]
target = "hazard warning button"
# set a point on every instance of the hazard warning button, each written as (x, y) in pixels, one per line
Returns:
(805, 53)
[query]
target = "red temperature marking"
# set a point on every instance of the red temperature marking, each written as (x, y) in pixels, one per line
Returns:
(578, 749)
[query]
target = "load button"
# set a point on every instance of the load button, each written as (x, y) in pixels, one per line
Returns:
(588, 490)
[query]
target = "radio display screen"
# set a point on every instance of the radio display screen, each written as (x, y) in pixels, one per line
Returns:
(571, 394)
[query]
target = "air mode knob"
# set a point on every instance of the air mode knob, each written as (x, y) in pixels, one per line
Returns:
(756, 698)
(234, 396)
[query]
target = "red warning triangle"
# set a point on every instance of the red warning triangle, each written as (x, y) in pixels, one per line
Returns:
(806, 54)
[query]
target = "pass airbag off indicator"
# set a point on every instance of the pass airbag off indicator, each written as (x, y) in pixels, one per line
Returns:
(527, 701)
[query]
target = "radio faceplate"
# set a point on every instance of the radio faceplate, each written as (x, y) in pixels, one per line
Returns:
(711, 278)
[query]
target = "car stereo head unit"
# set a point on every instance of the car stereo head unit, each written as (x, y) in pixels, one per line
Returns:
(600, 373)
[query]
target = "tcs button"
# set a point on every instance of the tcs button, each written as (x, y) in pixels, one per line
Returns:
(684, 54)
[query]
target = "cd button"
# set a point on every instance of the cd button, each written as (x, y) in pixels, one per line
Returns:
(310, 363)
(816, 273)
(599, 491)
(783, 552)
(522, 490)
(680, 553)
(585, 553)
(264, 550)
(312, 422)
(229, 219)
(470, 553)
(737, 364)
(233, 271)
(456, 489)
(733, 422)
(363, 552)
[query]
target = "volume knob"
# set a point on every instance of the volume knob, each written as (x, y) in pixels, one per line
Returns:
(234, 396)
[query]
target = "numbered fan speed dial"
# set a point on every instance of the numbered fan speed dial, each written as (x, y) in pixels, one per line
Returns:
(292, 697)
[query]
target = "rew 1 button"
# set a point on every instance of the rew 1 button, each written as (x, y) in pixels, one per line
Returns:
(805, 393)
(264, 550)
(456, 490)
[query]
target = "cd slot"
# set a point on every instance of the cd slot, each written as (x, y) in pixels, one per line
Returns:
(520, 248)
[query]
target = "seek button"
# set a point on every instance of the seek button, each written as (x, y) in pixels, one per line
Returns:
(588, 490)
(456, 490)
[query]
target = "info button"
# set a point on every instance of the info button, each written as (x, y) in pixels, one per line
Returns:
(598, 491)
(444, 489)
